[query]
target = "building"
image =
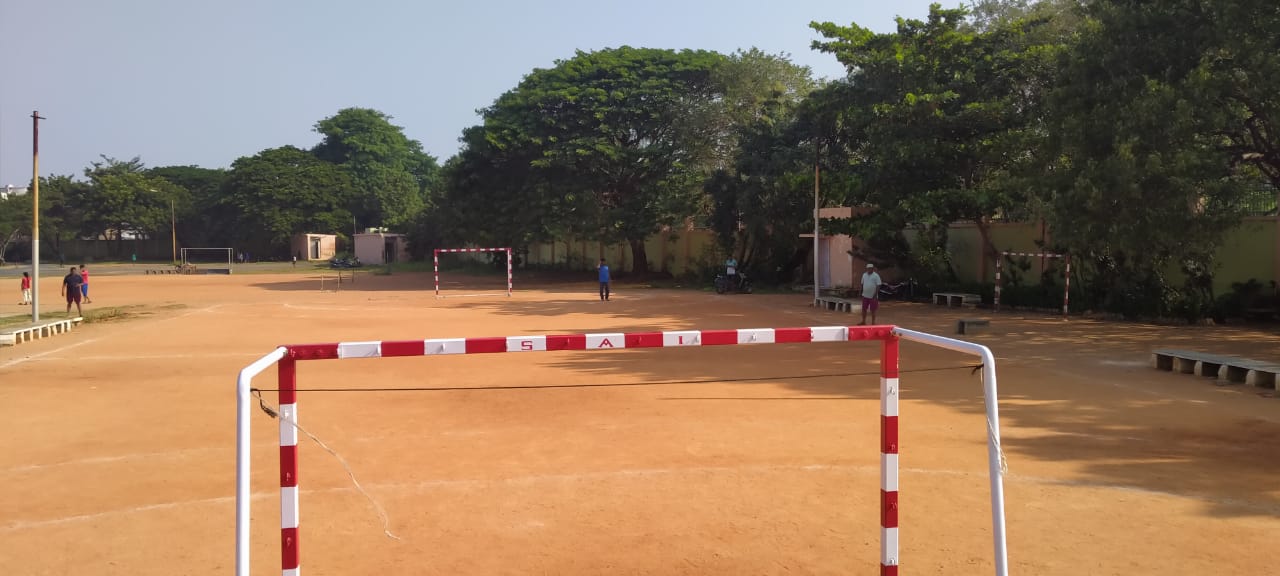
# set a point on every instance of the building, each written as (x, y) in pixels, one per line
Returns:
(11, 191)
(381, 248)
(837, 266)
(314, 246)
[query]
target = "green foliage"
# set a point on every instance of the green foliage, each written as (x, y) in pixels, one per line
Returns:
(284, 191)
(935, 119)
(392, 173)
(204, 219)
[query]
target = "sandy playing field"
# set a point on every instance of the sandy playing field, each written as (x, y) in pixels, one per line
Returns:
(117, 453)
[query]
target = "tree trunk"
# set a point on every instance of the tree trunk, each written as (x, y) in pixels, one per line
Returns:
(639, 260)
(988, 249)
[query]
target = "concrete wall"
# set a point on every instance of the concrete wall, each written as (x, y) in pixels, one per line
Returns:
(301, 246)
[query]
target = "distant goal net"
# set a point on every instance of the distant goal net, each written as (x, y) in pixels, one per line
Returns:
(216, 258)
(468, 289)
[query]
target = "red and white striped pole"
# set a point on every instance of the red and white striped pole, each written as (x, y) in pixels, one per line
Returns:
(508, 272)
(435, 264)
(1066, 294)
(996, 304)
(889, 456)
(288, 467)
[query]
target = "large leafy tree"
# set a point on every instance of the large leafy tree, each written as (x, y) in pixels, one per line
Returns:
(1149, 121)
(623, 135)
(391, 171)
(936, 118)
(203, 218)
(122, 198)
(283, 191)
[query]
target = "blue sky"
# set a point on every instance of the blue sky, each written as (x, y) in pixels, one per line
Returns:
(186, 82)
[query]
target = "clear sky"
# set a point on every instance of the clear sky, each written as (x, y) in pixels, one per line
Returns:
(189, 82)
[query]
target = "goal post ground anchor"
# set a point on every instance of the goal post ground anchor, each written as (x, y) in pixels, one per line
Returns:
(435, 262)
(286, 358)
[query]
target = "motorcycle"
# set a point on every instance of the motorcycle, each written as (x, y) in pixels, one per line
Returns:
(724, 283)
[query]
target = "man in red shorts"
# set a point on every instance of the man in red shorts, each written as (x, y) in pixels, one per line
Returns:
(71, 289)
(870, 293)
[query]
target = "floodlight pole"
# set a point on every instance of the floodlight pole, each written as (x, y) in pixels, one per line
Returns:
(35, 215)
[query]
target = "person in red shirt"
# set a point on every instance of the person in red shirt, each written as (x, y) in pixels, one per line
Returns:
(26, 289)
(84, 284)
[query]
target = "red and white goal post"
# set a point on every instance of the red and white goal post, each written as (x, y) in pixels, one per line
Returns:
(287, 357)
(435, 260)
(1066, 274)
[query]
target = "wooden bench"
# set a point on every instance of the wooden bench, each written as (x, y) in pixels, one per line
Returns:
(832, 303)
(20, 334)
(967, 325)
(1224, 368)
(956, 299)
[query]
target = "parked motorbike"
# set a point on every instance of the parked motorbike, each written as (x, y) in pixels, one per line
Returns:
(725, 284)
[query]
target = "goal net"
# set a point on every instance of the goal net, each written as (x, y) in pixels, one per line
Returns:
(208, 257)
(469, 287)
(287, 358)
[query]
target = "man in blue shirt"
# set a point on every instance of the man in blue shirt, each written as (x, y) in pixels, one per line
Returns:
(604, 279)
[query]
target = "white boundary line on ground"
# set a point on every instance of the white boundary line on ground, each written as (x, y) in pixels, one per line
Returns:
(116, 334)
(469, 483)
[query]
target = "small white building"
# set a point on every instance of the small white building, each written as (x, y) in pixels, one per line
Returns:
(381, 248)
(11, 191)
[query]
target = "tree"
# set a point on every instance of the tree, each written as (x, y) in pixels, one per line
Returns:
(204, 219)
(1147, 126)
(937, 118)
(625, 134)
(284, 191)
(391, 171)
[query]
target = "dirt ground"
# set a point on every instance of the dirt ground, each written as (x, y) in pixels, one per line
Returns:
(117, 444)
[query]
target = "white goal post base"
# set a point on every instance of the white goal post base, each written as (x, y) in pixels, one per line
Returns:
(287, 357)
(435, 261)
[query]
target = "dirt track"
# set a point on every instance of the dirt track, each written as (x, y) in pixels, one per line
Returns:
(117, 441)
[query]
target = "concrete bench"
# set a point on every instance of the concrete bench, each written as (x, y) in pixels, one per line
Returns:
(20, 334)
(956, 299)
(967, 325)
(1225, 368)
(831, 303)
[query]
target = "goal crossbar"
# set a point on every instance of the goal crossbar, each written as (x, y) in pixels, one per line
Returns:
(187, 252)
(1066, 274)
(435, 260)
(285, 358)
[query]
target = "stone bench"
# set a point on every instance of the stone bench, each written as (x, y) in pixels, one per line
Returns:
(967, 325)
(1225, 368)
(956, 299)
(832, 303)
(18, 335)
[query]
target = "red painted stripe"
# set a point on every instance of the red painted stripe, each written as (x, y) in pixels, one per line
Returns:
(567, 342)
(486, 345)
(644, 340)
(719, 337)
(888, 570)
(889, 357)
(404, 348)
(889, 434)
(870, 332)
(785, 335)
(288, 466)
(288, 548)
(287, 381)
(314, 351)
(888, 509)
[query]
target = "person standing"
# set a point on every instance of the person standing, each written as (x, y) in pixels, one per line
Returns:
(870, 293)
(26, 289)
(84, 283)
(71, 289)
(731, 271)
(605, 279)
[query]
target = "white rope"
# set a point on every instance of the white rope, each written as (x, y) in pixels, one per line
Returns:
(386, 522)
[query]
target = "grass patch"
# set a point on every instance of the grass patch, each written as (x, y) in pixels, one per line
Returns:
(93, 315)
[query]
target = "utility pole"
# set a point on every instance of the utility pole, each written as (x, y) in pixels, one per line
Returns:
(35, 215)
(173, 233)
(816, 222)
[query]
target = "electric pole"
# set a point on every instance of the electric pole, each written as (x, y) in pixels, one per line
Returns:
(35, 215)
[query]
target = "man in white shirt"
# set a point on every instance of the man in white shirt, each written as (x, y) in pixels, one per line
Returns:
(731, 270)
(870, 293)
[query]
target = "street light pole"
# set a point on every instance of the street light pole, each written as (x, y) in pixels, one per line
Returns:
(816, 224)
(35, 215)
(173, 232)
